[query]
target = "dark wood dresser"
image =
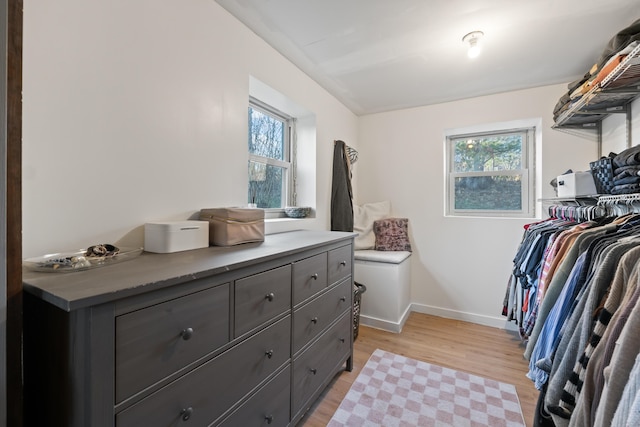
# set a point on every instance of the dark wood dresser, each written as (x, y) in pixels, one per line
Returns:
(248, 335)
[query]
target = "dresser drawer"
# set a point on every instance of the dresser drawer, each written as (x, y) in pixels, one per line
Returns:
(154, 342)
(340, 261)
(315, 365)
(309, 277)
(207, 392)
(261, 297)
(269, 406)
(312, 318)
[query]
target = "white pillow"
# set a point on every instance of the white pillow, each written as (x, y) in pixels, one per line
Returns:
(363, 218)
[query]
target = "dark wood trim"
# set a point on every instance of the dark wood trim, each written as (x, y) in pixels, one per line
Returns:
(14, 214)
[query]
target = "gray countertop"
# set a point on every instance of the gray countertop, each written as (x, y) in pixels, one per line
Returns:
(150, 271)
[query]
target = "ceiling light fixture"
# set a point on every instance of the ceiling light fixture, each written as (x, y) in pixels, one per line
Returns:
(473, 38)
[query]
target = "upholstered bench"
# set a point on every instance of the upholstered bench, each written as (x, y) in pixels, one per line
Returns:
(387, 276)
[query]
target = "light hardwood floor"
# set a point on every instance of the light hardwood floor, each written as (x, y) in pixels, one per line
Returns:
(481, 350)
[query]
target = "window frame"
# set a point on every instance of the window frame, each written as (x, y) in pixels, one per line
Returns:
(527, 172)
(289, 153)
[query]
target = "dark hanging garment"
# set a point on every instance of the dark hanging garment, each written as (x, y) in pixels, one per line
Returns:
(341, 193)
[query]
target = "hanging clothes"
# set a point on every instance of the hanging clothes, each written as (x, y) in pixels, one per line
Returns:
(584, 344)
(618, 262)
(341, 192)
(541, 242)
(628, 411)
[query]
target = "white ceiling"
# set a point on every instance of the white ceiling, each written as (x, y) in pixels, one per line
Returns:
(381, 55)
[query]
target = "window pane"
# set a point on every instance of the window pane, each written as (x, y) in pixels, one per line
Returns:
(491, 153)
(266, 135)
(266, 185)
(488, 193)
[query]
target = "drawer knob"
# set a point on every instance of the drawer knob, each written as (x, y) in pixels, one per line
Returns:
(269, 419)
(342, 340)
(270, 296)
(314, 276)
(269, 353)
(186, 413)
(313, 371)
(186, 334)
(343, 299)
(314, 320)
(343, 263)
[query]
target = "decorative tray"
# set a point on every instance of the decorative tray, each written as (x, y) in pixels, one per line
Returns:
(83, 259)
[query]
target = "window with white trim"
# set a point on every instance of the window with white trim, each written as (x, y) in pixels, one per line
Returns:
(271, 147)
(491, 173)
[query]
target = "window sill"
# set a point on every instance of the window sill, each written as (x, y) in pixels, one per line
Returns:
(282, 225)
(285, 219)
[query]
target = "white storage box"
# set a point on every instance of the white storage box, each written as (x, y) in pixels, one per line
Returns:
(175, 236)
(576, 184)
(387, 275)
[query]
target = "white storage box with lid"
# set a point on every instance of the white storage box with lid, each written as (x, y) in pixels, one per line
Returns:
(576, 184)
(386, 303)
(175, 236)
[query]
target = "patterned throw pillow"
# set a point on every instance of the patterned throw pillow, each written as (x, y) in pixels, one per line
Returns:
(392, 234)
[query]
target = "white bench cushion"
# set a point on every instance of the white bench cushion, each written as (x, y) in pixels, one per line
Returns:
(390, 257)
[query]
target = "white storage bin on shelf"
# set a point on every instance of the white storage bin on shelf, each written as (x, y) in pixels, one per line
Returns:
(387, 275)
(576, 184)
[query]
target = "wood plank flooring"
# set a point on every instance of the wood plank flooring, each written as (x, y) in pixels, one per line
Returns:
(481, 350)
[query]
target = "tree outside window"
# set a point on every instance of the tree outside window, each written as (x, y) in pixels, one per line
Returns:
(489, 174)
(269, 168)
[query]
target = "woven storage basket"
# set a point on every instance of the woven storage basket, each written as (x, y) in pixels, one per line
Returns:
(233, 226)
(358, 290)
(602, 171)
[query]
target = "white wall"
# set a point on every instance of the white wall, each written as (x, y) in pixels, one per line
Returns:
(136, 111)
(614, 131)
(460, 266)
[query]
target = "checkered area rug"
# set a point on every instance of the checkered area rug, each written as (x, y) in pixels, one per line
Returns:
(393, 390)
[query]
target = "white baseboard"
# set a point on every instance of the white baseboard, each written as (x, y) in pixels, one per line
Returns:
(386, 325)
(391, 326)
(493, 321)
